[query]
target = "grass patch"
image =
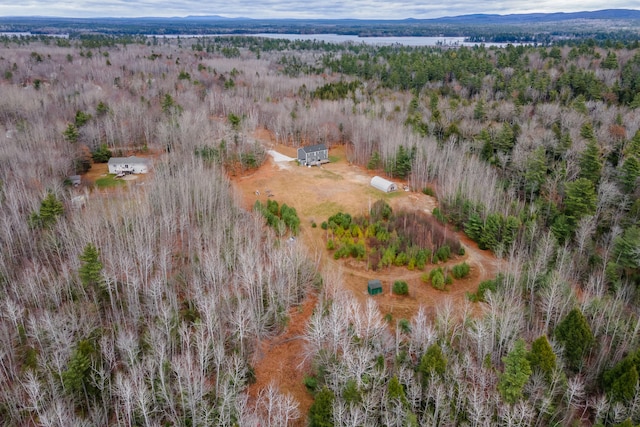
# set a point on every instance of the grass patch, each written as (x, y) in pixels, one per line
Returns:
(323, 210)
(109, 181)
(373, 192)
(329, 175)
(334, 159)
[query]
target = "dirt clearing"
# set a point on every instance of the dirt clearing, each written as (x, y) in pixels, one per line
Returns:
(317, 193)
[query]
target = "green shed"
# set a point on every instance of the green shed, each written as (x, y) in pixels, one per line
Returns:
(374, 287)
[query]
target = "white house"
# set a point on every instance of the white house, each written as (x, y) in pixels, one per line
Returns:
(131, 164)
(383, 184)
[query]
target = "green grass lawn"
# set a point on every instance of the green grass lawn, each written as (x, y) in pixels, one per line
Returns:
(109, 181)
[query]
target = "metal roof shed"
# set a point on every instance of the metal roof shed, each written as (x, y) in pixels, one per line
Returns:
(383, 184)
(374, 287)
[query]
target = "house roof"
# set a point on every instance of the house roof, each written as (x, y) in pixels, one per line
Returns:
(373, 284)
(314, 148)
(131, 160)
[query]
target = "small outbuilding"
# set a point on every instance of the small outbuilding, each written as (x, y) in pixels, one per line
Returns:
(75, 180)
(131, 164)
(374, 287)
(313, 155)
(383, 184)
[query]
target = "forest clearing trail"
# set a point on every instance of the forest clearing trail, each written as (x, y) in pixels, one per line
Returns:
(317, 193)
(280, 360)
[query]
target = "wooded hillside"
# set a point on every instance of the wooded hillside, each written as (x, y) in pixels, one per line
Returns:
(145, 306)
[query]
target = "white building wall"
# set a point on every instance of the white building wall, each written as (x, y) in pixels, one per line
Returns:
(383, 184)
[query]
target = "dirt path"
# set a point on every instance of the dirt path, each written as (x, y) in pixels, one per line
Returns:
(280, 360)
(318, 193)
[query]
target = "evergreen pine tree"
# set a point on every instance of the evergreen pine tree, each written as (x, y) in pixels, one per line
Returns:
(50, 209)
(536, 171)
(591, 162)
(432, 362)
(516, 373)
(542, 357)
(580, 199)
(91, 269)
(575, 335)
(626, 248)
(396, 391)
(71, 133)
(505, 139)
(629, 174)
(321, 411)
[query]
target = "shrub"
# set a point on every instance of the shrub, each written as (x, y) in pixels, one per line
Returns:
(357, 250)
(448, 280)
(380, 210)
(461, 270)
(324, 225)
(404, 326)
(273, 207)
(400, 287)
(442, 254)
(429, 191)
(437, 213)
(311, 383)
(340, 219)
(102, 154)
(401, 259)
(436, 276)
(342, 252)
(483, 287)
(421, 258)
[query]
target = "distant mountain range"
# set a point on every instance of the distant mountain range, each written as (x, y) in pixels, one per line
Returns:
(481, 19)
(501, 28)
(606, 14)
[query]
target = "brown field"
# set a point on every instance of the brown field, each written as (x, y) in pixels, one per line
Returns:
(317, 193)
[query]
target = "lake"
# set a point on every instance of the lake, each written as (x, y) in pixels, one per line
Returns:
(341, 38)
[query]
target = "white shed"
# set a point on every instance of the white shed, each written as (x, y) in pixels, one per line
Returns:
(131, 164)
(383, 184)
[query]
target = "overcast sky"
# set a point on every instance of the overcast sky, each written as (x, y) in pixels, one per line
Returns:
(361, 9)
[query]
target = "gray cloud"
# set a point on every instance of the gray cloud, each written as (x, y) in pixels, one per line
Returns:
(361, 9)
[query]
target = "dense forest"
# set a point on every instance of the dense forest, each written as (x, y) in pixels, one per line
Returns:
(145, 307)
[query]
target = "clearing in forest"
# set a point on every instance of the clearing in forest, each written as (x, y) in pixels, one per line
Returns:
(318, 193)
